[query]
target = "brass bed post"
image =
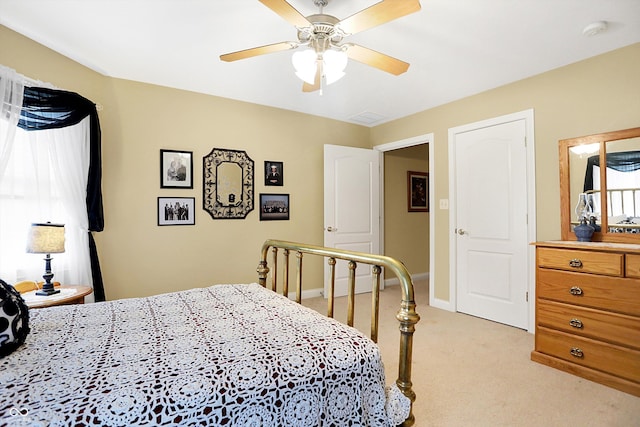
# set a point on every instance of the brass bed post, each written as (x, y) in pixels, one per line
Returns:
(406, 316)
(263, 271)
(274, 275)
(375, 303)
(285, 279)
(351, 292)
(408, 319)
(332, 286)
(299, 278)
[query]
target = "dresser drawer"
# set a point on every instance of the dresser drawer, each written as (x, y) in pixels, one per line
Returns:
(632, 266)
(619, 361)
(614, 328)
(608, 263)
(616, 294)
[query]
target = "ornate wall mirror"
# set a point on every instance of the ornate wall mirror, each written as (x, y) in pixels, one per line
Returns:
(604, 171)
(227, 190)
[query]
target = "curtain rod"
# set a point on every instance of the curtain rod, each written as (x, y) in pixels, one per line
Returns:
(28, 81)
(39, 83)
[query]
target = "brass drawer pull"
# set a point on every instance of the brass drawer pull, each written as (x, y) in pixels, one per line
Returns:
(576, 352)
(575, 263)
(575, 290)
(576, 323)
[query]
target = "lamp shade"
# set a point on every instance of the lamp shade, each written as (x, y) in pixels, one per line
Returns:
(305, 64)
(335, 61)
(46, 238)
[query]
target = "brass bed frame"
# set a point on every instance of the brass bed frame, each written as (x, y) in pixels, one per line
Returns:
(407, 315)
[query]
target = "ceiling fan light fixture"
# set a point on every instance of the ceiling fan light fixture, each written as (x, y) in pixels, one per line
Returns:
(304, 62)
(335, 61)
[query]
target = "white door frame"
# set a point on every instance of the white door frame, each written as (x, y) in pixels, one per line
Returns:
(526, 115)
(410, 142)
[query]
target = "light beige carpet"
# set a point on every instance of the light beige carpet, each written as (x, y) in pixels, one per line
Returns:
(473, 372)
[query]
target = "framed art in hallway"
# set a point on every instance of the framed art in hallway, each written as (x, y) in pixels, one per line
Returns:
(417, 191)
(176, 169)
(274, 207)
(176, 211)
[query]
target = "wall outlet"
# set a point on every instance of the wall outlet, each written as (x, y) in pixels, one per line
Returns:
(444, 203)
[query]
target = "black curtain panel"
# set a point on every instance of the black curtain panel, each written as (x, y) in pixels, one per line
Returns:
(624, 161)
(45, 108)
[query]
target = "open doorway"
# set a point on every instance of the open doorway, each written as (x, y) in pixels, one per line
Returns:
(396, 222)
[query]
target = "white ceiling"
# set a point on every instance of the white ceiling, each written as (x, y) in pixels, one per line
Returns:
(456, 48)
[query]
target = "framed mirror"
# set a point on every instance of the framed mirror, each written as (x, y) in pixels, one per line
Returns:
(227, 190)
(602, 172)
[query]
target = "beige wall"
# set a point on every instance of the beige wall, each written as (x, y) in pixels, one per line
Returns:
(406, 234)
(596, 95)
(139, 258)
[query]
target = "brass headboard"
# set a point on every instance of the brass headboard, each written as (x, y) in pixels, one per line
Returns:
(407, 315)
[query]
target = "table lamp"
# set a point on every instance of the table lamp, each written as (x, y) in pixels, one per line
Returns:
(46, 238)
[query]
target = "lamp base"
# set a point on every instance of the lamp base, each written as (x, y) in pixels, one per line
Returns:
(46, 292)
(47, 288)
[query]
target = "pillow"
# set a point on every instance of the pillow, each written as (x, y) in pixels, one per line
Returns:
(14, 319)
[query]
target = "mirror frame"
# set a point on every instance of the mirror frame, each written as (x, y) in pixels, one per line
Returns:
(210, 200)
(566, 203)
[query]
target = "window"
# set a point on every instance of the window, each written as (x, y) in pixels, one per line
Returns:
(50, 170)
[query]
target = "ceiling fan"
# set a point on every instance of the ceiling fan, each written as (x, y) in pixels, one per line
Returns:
(325, 55)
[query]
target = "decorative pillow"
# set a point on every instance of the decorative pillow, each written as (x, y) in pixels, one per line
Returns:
(14, 319)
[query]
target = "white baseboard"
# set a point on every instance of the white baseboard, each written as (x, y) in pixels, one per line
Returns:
(414, 277)
(319, 292)
(441, 304)
(309, 293)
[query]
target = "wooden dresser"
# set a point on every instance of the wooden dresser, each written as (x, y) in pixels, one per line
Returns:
(588, 311)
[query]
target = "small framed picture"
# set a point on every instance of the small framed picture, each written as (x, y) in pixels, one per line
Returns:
(176, 169)
(273, 173)
(418, 191)
(274, 207)
(176, 211)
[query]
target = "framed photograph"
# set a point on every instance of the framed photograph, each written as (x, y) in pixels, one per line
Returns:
(273, 173)
(418, 191)
(274, 207)
(176, 211)
(176, 169)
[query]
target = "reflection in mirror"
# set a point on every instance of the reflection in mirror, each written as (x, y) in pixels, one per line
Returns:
(227, 191)
(579, 156)
(229, 184)
(605, 169)
(623, 185)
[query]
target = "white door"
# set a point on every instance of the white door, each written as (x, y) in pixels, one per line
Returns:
(491, 222)
(351, 209)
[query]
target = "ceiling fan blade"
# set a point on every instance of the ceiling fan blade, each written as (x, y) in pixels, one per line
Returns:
(379, 13)
(286, 11)
(262, 50)
(306, 87)
(377, 59)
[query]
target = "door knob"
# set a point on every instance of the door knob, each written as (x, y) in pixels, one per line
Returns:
(461, 231)
(331, 229)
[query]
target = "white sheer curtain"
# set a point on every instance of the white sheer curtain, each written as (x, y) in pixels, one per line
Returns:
(43, 177)
(11, 94)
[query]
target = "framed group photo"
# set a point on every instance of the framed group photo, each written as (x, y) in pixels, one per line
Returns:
(176, 211)
(273, 173)
(176, 169)
(417, 191)
(274, 207)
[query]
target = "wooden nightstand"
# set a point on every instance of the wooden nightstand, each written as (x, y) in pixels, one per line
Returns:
(70, 294)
